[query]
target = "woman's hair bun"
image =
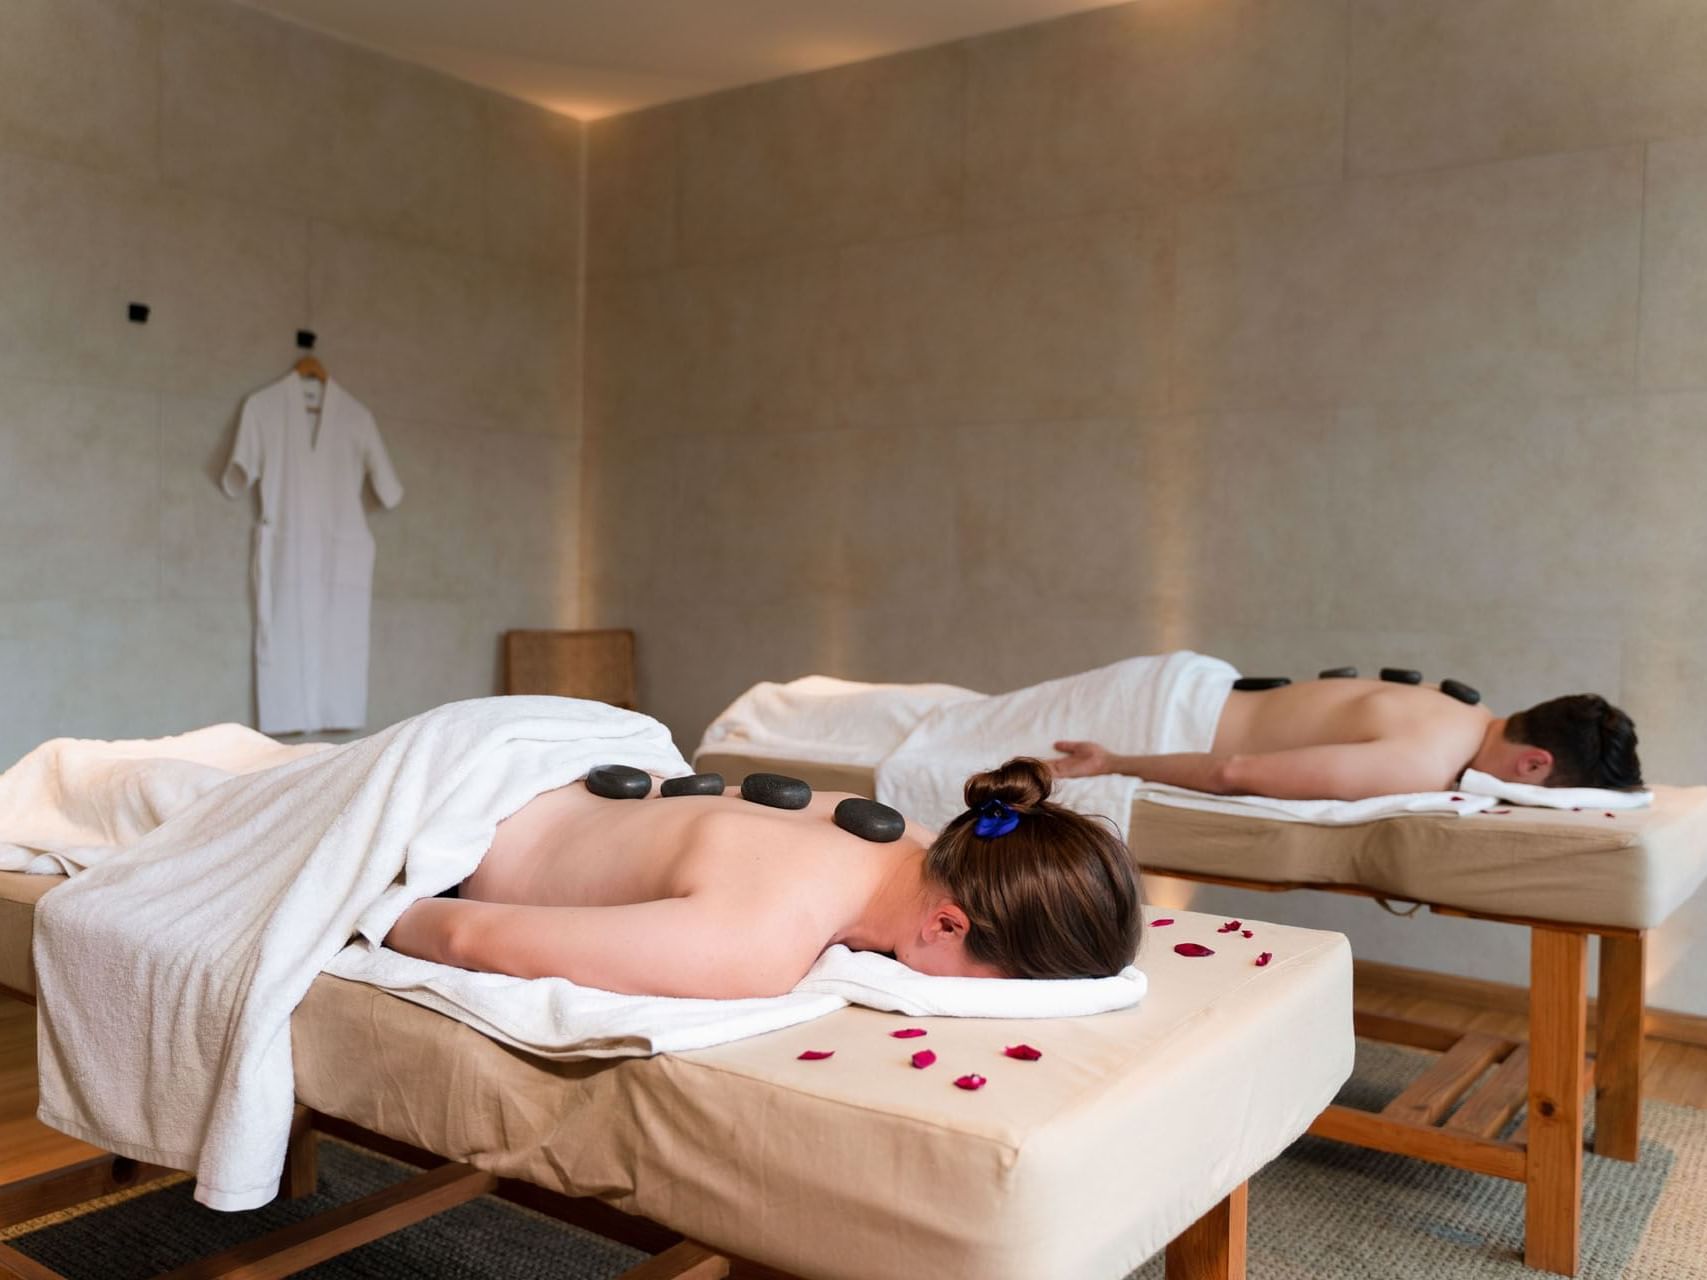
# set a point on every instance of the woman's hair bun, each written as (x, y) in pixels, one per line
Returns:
(1021, 783)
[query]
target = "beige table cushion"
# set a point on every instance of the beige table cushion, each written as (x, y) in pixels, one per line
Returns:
(1627, 870)
(18, 896)
(1083, 1163)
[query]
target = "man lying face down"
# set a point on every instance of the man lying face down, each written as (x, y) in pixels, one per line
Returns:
(1342, 739)
(718, 897)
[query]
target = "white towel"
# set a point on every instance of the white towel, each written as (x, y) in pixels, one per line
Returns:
(1477, 793)
(1482, 784)
(825, 719)
(167, 974)
(72, 802)
(554, 1018)
(865, 977)
(1139, 706)
(1329, 813)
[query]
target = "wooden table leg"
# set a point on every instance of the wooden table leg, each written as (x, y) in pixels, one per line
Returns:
(1558, 1007)
(1618, 1046)
(302, 1157)
(1213, 1247)
(300, 1245)
(685, 1261)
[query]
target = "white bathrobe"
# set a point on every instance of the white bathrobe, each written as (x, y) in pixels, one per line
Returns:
(313, 554)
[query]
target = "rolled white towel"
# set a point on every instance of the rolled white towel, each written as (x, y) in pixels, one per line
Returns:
(1485, 784)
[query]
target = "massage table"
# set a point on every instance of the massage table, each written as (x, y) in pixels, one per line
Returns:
(1564, 875)
(1135, 1132)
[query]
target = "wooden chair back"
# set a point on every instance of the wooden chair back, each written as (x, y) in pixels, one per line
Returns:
(572, 664)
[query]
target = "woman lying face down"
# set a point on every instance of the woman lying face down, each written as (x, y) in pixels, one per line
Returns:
(714, 896)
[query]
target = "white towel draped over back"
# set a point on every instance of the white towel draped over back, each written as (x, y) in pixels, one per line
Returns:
(1139, 706)
(167, 974)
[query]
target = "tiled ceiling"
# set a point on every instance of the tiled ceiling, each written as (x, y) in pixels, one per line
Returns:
(591, 58)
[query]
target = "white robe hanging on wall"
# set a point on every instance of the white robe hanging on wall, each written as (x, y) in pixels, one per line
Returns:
(313, 554)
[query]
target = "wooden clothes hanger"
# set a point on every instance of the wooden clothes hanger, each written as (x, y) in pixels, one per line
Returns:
(310, 367)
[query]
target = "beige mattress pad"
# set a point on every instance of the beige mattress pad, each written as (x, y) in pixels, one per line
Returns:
(1083, 1163)
(1624, 870)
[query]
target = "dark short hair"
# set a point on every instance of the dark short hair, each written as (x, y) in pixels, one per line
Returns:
(1056, 897)
(1592, 742)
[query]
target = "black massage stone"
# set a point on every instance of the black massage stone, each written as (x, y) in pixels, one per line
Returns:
(1337, 673)
(619, 782)
(1255, 684)
(1463, 692)
(1401, 675)
(869, 820)
(778, 790)
(697, 784)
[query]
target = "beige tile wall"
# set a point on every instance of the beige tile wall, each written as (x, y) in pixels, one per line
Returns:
(247, 178)
(1307, 334)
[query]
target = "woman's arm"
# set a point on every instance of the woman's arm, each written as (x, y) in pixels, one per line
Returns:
(699, 945)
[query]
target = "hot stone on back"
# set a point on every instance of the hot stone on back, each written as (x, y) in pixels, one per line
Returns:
(695, 784)
(619, 782)
(1463, 692)
(777, 790)
(870, 820)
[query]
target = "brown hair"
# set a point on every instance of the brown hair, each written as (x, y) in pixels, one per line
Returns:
(1592, 742)
(1056, 897)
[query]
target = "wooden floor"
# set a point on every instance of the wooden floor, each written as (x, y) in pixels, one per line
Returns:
(1675, 1073)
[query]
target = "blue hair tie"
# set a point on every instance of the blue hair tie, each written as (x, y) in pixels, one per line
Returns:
(995, 819)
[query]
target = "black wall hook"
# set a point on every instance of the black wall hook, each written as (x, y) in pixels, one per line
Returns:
(138, 312)
(306, 338)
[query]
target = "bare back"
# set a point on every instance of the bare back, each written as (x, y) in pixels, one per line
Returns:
(686, 896)
(570, 848)
(1316, 713)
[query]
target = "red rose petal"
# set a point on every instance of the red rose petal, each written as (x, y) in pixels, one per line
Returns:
(1024, 1052)
(973, 1081)
(1157, 924)
(1247, 933)
(923, 1058)
(908, 1033)
(817, 1055)
(1612, 815)
(1457, 799)
(1232, 926)
(1192, 949)
(1264, 958)
(1499, 810)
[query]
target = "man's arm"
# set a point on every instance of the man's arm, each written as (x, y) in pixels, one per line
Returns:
(1343, 771)
(699, 945)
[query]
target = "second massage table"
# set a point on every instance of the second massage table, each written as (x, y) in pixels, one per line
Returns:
(1135, 1131)
(1564, 875)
